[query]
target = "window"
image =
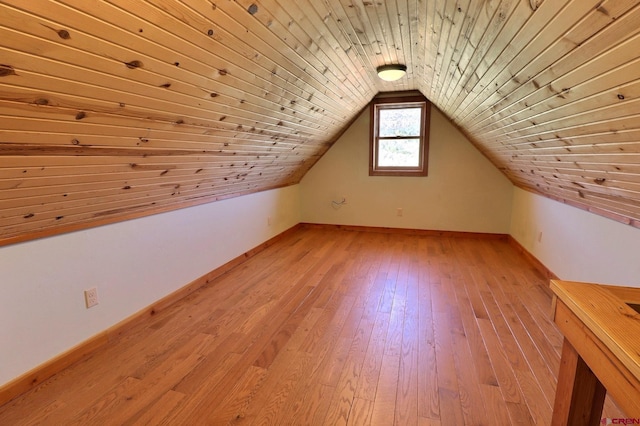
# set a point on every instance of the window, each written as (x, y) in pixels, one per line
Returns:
(399, 136)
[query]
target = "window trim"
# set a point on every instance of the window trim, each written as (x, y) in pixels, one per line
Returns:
(394, 102)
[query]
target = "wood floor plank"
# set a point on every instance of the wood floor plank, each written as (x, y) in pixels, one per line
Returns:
(282, 377)
(235, 404)
(507, 380)
(368, 382)
(407, 394)
(422, 421)
(361, 412)
(157, 413)
(276, 391)
(448, 392)
(146, 395)
(330, 327)
(343, 400)
(500, 409)
(109, 403)
(428, 399)
(343, 397)
(384, 405)
(471, 397)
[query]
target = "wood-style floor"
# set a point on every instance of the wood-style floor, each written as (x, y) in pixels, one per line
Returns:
(330, 327)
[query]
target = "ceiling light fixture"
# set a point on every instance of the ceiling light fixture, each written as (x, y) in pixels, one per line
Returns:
(391, 72)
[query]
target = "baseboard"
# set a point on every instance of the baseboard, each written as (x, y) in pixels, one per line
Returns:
(546, 272)
(34, 377)
(406, 231)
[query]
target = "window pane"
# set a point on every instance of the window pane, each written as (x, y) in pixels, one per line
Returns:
(399, 153)
(399, 122)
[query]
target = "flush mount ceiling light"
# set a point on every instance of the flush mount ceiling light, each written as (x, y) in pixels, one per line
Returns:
(391, 72)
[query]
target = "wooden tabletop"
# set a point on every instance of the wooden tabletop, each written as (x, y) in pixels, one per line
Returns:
(598, 318)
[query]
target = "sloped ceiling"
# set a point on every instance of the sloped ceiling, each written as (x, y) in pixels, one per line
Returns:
(115, 109)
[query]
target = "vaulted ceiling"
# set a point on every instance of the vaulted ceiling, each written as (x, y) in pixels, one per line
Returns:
(120, 108)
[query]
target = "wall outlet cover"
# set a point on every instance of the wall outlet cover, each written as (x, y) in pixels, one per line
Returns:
(91, 297)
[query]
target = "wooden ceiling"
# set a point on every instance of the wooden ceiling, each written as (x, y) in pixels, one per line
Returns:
(120, 108)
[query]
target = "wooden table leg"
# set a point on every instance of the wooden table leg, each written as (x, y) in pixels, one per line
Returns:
(579, 395)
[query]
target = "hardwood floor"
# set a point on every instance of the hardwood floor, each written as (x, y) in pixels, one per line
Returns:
(331, 327)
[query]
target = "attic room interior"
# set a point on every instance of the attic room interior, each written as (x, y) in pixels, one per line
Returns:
(195, 227)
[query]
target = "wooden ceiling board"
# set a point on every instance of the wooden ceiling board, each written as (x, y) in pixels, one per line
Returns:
(523, 41)
(607, 51)
(117, 109)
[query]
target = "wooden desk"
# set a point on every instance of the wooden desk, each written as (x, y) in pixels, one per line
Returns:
(601, 351)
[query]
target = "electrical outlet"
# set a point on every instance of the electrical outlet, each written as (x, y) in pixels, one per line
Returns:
(91, 297)
(269, 221)
(399, 211)
(540, 236)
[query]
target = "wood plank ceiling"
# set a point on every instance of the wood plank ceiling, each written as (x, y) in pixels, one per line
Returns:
(119, 108)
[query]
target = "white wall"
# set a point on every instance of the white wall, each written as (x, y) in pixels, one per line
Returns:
(132, 263)
(576, 245)
(463, 192)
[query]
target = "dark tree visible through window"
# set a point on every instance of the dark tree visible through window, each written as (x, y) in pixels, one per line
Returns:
(399, 136)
